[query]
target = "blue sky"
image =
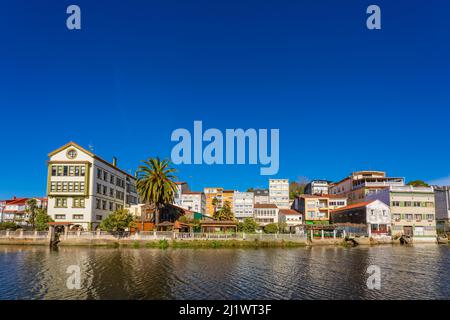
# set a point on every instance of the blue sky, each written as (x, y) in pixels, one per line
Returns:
(344, 98)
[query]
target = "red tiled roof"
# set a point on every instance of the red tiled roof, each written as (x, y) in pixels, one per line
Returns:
(353, 206)
(265, 205)
(17, 201)
(288, 211)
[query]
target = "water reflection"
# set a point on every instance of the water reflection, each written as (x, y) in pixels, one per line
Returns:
(419, 272)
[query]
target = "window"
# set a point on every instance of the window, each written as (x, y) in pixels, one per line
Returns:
(83, 171)
(77, 217)
(396, 217)
(81, 186)
(396, 203)
(111, 192)
(418, 217)
(53, 170)
(372, 212)
(98, 217)
(53, 187)
(407, 203)
(384, 213)
(97, 203)
(408, 216)
(105, 175)
(60, 216)
(78, 202)
(110, 206)
(71, 171)
(65, 171)
(416, 204)
(99, 174)
(99, 188)
(105, 190)
(103, 204)
(112, 179)
(430, 217)
(61, 203)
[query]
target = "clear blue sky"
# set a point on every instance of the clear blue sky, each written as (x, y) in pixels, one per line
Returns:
(344, 98)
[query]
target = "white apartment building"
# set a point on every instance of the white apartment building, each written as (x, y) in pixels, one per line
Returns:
(182, 187)
(194, 201)
(243, 205)
(83, 188)
(261, 196)
(265, 214)
(279, 193)
(317, 187)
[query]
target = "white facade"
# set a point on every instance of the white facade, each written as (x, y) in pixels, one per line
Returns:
(83, 189)
(243, 205)
(317, 187)
(279, 193)
(292, 218)
(194, 201)
(265, 214)
(182, 187)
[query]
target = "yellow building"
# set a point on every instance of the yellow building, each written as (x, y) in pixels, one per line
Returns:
(210, 194)
(316, 208)
(228, 195)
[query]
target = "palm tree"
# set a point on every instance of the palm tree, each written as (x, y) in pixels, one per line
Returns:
(156, 184)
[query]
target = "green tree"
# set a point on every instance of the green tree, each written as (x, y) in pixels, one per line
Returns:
(9, 225)
(224, 213)
(297, 188)
(156, 184)
(250, 190)
(215, 203)
(418, 183)
(31, 210)
(42, 220)
(271, 228)
(282, 227)
(118, 220)
(249, 225)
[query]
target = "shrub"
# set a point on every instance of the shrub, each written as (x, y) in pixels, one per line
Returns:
(271, 228)
(163, 244)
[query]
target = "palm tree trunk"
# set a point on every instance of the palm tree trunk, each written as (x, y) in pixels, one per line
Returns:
(156, 216)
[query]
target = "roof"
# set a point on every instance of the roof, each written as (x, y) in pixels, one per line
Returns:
(328, 196)
(288, 212)
(265, 205)
(193, 192)
(353, 206)
(76, 145)
(17, 201)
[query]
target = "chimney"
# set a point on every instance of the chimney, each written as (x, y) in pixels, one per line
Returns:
(114, 161)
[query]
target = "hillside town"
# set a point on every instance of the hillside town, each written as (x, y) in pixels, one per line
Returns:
(84, 189)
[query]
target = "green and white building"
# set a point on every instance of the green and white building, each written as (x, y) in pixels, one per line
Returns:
(413, 211)
(83, 188)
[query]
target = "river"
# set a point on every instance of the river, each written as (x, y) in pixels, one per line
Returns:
(416, 272)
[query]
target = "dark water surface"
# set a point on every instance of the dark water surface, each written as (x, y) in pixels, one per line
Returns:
(418, 272)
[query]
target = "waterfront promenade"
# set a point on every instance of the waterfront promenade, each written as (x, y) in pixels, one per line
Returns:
(125, 238)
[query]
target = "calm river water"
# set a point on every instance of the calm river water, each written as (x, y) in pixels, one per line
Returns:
(419, 272)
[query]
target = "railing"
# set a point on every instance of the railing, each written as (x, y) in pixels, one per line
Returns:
(151, 235)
